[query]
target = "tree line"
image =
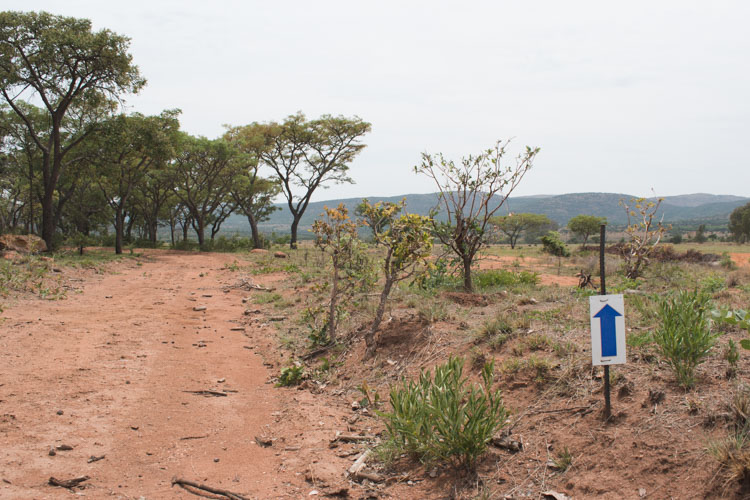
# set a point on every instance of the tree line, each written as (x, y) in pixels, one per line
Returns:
(73, 164)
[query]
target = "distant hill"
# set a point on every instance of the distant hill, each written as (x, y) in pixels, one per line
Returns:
(683, 211)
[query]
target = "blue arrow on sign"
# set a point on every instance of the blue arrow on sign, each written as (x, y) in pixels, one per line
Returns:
(607, 316)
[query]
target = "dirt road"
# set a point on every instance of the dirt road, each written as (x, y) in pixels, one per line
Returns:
(106, 371)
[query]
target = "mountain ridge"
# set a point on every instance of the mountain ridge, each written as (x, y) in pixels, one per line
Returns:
(684, 211)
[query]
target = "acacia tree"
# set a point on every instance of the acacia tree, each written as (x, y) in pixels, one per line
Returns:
(154, 198)
(204, 173)
(585, 225)
(59, 62)
(739, 223)
(19, 168)
(252, 194)
(407, 242)
(469, 195)
(305, 155)
(128, 147)
(513, 225)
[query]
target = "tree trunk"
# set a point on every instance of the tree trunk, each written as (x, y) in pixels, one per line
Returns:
(119, 223)
(370, 335)
(468, 285)
(199, 230)
(293, 240)
(254, 230)
(48, 219)
(332, 305)
(172, 225)
(129, 229)
(152, 231)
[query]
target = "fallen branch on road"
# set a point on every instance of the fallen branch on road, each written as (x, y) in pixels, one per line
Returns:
(68, 483)
(190, 486)
(207, 393)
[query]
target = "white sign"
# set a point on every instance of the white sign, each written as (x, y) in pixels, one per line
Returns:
(607, 329)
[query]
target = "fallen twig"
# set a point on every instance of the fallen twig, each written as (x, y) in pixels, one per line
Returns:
(574, 409)
(353, 438)
(186, 438)
(360, 463)
(94, 458)
(67, 483)
(370, 476)
(316, 352)
(207, 393)
(190, 486)
(263, 441)
(246, 284)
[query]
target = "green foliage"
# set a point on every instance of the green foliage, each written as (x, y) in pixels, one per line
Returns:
(739, 223)
(713, 283)
(738, 317)
(306, 154)
(684, 336)
(77, 74)
(407, 242)
(445, 418)
(336, 236)
(676, 238)
(471, 192)
(732, 357)
(514, 225)
(585, 225)
(290, 375)
(727, 262)
(502, 278)
(553, 245)
(563, 459)
(317, 324)
(639, 339)
(438, 274)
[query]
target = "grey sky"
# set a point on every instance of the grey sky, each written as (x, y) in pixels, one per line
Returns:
(620, 96)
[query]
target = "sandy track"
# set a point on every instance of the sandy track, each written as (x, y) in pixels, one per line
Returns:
(114, 359)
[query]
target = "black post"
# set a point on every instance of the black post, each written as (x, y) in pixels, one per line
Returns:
(607, 401)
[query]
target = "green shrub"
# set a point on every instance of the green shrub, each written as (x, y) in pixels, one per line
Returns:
(441, 274)
(553, 245)
(503, 278)
(684, 336)
(444, 418)
(713, 283)
(727, 262)
(290, 375)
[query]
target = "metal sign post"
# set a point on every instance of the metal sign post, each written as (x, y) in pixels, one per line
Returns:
(607, 318)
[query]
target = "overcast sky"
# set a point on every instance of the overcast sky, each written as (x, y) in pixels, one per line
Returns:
(621, 97)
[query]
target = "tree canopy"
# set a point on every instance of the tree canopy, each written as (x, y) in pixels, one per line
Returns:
(585, 225)
(739, 223)
(513, 225)
(75, 74)
(307, 154)
(471, 192)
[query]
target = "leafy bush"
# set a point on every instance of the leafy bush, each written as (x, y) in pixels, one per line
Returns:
(553, 245)
(444, 418)
(441, 273)
(290, 375)
(713, 283)
(501, 277)
(738, 317)
(684, 337)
